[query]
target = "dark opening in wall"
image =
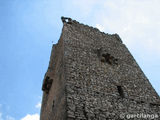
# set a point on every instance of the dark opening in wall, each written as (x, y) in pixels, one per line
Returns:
(85, 112)
(66, 20)
(106, 57)
(53, 104)
(47, 84)
(154, 104)
(140, 102)
(120, 91)
(109, 59)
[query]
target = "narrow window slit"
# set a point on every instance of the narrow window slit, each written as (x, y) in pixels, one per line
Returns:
(120, 91)
(53, 104)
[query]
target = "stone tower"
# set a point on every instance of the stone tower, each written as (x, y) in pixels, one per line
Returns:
(93, 76)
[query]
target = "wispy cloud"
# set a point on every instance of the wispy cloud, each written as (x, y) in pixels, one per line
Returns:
(31, 117)
(100, 27)
(38, 105)
(35, 116)
(137, 22)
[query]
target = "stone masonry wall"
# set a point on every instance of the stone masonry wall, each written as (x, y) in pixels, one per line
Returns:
(54, 102)
(102, 78)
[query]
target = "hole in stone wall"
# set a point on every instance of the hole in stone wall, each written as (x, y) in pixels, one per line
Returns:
(47, 84)
(84, 112)
(53, 104)
(154, 104)
(106, 57)
(109, 59)
(120, 91)
(141, 101)
(66, 20)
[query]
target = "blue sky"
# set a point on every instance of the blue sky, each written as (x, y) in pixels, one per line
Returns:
(28, 28)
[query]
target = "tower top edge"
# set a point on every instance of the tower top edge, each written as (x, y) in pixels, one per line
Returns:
(68, 20)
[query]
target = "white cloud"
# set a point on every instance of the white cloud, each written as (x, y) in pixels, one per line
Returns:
(136, 21)
(100, 27)
(38, 105)
(31, 117)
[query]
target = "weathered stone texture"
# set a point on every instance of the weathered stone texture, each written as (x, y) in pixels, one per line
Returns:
(54, 102)
(94, 78)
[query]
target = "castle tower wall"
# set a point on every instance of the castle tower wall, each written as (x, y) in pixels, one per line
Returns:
(94, 77)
